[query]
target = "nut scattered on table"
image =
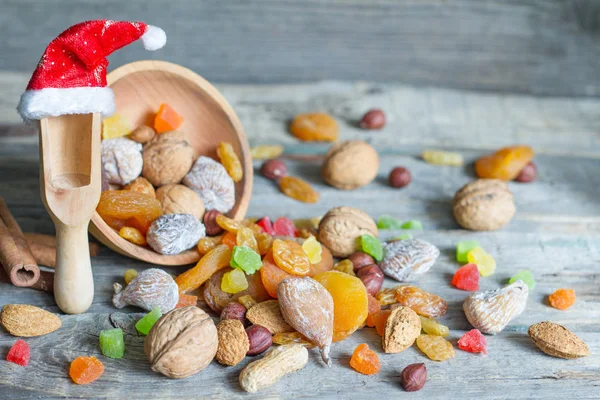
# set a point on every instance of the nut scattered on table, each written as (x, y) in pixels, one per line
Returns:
(399, 177)
(402, 328)
(373, 119)
(23, 320)
(349, 165)
(557, 341)
(341, 227)
(484, 205)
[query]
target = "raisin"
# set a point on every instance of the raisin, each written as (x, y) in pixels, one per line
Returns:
(365, 360)
(216, 259)
(315, 126)
(433, 327)
(264, 242)
(233, 225)
(387, 296)
(266, 151)
(562, 299)
(292, 338)
(271, 275)
(247, 301)
(345, 266)
(208, 243)
(298, 189)
(426, 304)
(119, 208)
(505, 164)
(438, 157)
(245, 237)
(230, 161)
(129, 275)
(435, 347)
(132, 235)
(290, 257)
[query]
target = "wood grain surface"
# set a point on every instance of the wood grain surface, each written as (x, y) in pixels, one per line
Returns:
(547, 47)
(555, 234)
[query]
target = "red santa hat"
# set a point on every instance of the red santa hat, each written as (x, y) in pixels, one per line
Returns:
(71, 75)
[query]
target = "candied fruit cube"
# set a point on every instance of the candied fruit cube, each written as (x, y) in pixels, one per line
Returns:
(313, 250)
(379, 320)
(562, 299)
(438, 157)
(372, 246)
(285, 227)
(485, 262)
(266, 225)
(112, 343)
(129, 275)
(167, 119)
(432, 327)
(19, 353)
(413, 224)
(115, 126)
(365, 360)
(388, 222)
(473, 342)
(186, 300)
(234, 281)
(526, 276)
(146, 323)
(467, 278)
(463, 248)
(86, 370)
(246, 259)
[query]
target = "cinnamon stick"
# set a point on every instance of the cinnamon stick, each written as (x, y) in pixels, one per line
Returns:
(43, 248)
(45, 283)
(15, 255)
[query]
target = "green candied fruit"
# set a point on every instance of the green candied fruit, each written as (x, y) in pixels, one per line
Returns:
(147, 322)
(372, 246)
(526, 276)
(413, 224)
(404, 236)
(112, 343)
(246, 259)
(388, 222)
(463, 248)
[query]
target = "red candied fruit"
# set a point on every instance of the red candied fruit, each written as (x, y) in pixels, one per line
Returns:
(473, 342)
(266, 225)
(285, 227)
(19, 353)
(467, 278)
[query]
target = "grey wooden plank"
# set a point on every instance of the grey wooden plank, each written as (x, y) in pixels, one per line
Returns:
(540, 46)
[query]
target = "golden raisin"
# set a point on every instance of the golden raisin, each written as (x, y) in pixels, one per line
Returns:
(345, 266)
(290, 257)
(365, 360)
(230, 161)
(504, 164)
(266, 151)
(132, 235)
(387, 296)
(208, 243)
(129, 275)
(298, 189)
(292, 338)
(315, 126)
(233, 225)
(426, 304)
(247, 301)
(435, 347)
(265, 242)
(562, 299)
(245, 237)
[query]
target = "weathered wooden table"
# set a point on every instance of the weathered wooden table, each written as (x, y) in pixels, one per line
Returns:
(555, 234)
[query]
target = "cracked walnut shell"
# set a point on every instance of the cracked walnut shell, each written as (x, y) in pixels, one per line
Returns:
(341, 227)
(179, 199)
(167, 158)
(349, 165)
(484, 205)
(182, 342)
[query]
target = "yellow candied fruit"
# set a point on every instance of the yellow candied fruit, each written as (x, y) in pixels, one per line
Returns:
(266, 151)
(485, 262)
(443, 158)
(132, 235)
(313, 250)
(234, 281)
(247, 301)
(115, 126)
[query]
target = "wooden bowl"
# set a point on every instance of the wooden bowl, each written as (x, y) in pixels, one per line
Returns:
(140, 88)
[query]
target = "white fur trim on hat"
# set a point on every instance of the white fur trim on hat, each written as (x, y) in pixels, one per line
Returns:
(52, 102)
(154, 38)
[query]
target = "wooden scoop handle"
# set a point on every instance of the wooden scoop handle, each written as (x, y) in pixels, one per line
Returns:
(73, 283)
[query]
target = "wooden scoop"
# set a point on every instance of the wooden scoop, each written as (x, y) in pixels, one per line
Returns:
(70, 183)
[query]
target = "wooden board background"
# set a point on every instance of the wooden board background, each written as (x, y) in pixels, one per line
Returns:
(545, 47)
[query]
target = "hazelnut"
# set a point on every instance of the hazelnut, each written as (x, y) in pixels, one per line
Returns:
(142, 134)
(233, 342)
(340, 228)
(234, 310)
(167, 158)
(399, 177)
(351, 164)
(179, 199)
(527, 174)
(360, 259)
(273, 169)
(372, 277)
(121, 160)
(413, 377)
(484, 205)
(182, 342)
(373, 119)
(260, 339)
(210, 223)
(141, 185)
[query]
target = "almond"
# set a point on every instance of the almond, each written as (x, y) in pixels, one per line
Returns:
(267, 314)
(27, 321)
(557, 341)
(402, 327)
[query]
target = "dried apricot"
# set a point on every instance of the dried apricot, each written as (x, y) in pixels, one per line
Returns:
(562, 299)
(505, 164)
(230, 161)
(216, 259)
(272, 275)
(326, 263)
(86, 370)
(350, 302)
(315, 126)
(132, 235)
(135, 209)
(290, 257)
(379, 320)
(298, 189)
(373, 308)
(426, 304)
(365, 360)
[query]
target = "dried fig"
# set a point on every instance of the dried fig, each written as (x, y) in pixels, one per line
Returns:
(150, 288)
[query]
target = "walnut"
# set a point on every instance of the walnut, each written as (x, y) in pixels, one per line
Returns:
(213, 184)
(167, 158)
(484, 205)
(340, 228)
(174, 233)
(350, 164)
(182, 343)
(121, 160)
(179, 199)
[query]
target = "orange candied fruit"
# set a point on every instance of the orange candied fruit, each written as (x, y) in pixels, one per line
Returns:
(505, 164)
(365, 360)
(373, 308)
(315, 126)
(86, 370)
(379, 320)
(186, 300)
(562, 299)
(167, 119)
